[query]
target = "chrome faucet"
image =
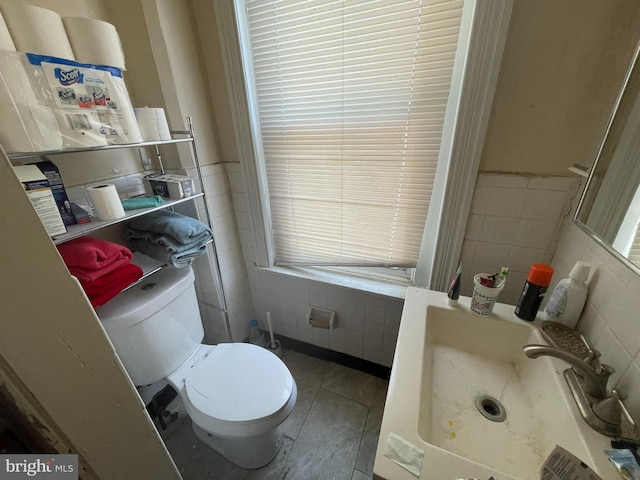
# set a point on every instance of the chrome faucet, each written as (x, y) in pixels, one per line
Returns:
(594, 375)
(588, 380)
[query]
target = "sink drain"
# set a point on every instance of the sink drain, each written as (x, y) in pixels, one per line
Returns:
(491, 408)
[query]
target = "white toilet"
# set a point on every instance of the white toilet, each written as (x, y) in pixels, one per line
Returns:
(237, 394)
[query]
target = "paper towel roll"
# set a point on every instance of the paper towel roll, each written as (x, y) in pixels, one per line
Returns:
(94, 41)
(6, 42)
(36, 29)
(28, 128)
(153, 124)
(106, 201)
(15, 86)
(79, 128)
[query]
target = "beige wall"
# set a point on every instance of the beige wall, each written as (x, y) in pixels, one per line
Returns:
(562, 68)
(208, 34)
(172, 33)
(141, 75)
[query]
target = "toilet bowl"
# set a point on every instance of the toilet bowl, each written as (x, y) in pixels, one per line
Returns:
(237, 394)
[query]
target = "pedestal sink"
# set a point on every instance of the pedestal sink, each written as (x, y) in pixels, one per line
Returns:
(463, 391)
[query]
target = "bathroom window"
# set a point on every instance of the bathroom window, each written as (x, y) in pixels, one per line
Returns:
(350, 98)
(347, 102)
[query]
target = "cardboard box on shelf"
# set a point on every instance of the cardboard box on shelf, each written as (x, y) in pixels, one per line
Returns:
(168, 185)
(57, 188)
(39, 192)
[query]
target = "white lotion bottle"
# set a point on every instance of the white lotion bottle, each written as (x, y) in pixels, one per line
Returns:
(568, 298)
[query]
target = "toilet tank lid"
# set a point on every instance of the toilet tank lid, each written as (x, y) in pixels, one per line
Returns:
(146, 298)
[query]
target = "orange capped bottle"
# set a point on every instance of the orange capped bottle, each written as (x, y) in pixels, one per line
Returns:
(533, 292)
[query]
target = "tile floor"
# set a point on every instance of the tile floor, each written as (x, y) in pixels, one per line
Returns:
(331, 434)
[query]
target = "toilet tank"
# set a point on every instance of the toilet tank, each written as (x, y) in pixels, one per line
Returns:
(154, 326)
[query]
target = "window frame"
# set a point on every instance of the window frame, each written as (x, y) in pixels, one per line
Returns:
(481, 42)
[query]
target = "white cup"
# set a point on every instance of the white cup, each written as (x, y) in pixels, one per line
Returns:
(484, 298)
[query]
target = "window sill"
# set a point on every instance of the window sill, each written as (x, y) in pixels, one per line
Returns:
(365, 285)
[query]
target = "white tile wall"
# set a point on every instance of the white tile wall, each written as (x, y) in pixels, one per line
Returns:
(366, 325)
(233, 274)
(514, 222)
(611, 318)
(213, 321)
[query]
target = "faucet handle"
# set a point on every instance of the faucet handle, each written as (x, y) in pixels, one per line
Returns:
(593, 359)
(615, 394)
(593, 355)
(611, 408)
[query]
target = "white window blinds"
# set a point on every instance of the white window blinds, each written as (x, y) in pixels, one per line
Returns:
(351, 97)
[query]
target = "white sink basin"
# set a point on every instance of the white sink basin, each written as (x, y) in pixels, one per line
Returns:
(446, 358)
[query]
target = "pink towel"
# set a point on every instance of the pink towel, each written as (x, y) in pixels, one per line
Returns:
(108, 286)
(90, 258)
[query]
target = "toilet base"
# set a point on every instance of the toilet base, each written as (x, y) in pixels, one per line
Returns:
(249, 452)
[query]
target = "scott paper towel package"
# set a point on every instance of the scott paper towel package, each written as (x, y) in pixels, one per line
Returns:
(48, 103)
(91, 102)
(38, 190)
(27, 122)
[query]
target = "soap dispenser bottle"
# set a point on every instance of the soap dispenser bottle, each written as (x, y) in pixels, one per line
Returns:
(568, 298)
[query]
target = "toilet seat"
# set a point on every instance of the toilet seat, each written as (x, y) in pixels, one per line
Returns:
(238, 389)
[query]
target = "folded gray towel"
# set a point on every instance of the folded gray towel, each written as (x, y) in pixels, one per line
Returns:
(167, 241)
(183, 230)
(161, 253)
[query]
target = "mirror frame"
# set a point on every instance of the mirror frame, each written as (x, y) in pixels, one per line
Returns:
(616, 107)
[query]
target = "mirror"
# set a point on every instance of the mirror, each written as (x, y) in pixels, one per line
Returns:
(609, 209)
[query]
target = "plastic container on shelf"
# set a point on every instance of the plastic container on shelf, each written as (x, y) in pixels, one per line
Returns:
(256, 336)
(568, 298)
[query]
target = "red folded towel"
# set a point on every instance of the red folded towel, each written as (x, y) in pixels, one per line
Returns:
(103, 289)
(90, 258)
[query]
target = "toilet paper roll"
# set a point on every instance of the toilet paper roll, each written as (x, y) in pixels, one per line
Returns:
(28, 128)
(79, 128)
(16, 85)
(6, 42)
(153, 124)
(106, 201)
(94, 41)
(36, 29)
